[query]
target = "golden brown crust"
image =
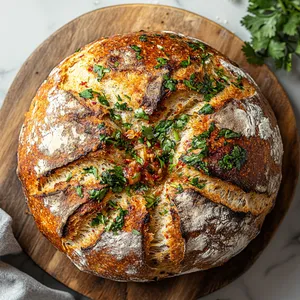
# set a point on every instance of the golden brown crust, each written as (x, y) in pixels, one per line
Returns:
(147, 155)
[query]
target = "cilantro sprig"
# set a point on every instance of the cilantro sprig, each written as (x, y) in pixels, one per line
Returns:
(275, 29)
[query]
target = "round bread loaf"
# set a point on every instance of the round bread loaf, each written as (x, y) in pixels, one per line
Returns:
(149, 155)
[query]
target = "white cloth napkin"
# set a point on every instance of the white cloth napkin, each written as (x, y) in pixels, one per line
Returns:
(14, 284)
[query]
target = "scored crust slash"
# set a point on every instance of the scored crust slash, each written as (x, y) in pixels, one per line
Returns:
(149, 155)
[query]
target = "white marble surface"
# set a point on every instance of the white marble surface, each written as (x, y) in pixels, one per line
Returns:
(24, 24)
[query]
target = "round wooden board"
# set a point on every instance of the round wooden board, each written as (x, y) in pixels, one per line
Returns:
(89, 27)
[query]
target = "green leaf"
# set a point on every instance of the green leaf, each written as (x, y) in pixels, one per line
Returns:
(87, 94)
(143, 38)
(195, 182)
(79, 191)
(103, 100)
(269, 28)
(122, 106)
(114, 178)
(147, 132)
(69, 177)
(138, 51)
(186, 63)
(91, 170)
(206, 109)
(135, 232)
(259, 42)
(290, 28)
(228, 134)
(251, 55)
(161, 62)
(276, 49)
(100, 70)
(98, 194)
(151, 200)
(235, 159)
(181, 122)
(170, 83)
(140, 114)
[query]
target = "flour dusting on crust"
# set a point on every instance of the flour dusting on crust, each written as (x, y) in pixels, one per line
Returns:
(249, 120)
(120, 245)
(218, 233)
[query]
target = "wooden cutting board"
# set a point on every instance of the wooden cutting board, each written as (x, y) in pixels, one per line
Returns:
(105, 22)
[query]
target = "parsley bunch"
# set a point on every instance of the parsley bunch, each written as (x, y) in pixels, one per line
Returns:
(275, 29)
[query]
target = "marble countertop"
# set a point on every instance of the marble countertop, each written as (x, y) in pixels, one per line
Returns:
(24, 24)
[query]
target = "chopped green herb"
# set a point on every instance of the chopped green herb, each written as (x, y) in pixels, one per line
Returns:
(138, 51)
(209, 86)
(87, 94)
(152, 201)
(186, 63)
(127, 125)
(112, 204)
(114, 178)
(196, 45)
(116, 64)
(122, 106)
(69, 177)
(100, 219)
(143, 38)
(140, 187)
(228, 134)
(103, 100)
(238, 83)
(147, 132)
(181, 122)
(98, 194)
(101, 126)
(128, 97)
(77, 50)
(176, 136)
(161, 62)
(163, 212)
(205, 57)
(79, 191)
(114, 116)
(100, 70)
(135, 232)
(206, 109)
(195, 182)
(179, 189)
(235, 159)
(220, 72)
(91, 170)
(137, 158)
(140, 114)
(169, 83)
(196, 160)
(118, 223)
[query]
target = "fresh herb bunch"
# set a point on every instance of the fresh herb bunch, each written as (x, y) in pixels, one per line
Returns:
(275, 29)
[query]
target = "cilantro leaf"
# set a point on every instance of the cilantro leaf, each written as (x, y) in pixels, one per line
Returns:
(276, 49)
(100, 70)
(87, 94)
(275, 29)
(140, 114)
(251, 55)
(206, 109)
(161, 62)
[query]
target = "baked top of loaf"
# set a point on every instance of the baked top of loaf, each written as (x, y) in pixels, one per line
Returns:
(149, 155)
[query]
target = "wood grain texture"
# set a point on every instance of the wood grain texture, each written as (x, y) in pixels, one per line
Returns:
(89, 27)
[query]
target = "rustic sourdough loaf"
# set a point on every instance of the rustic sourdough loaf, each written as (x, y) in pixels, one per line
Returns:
(149, 155)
